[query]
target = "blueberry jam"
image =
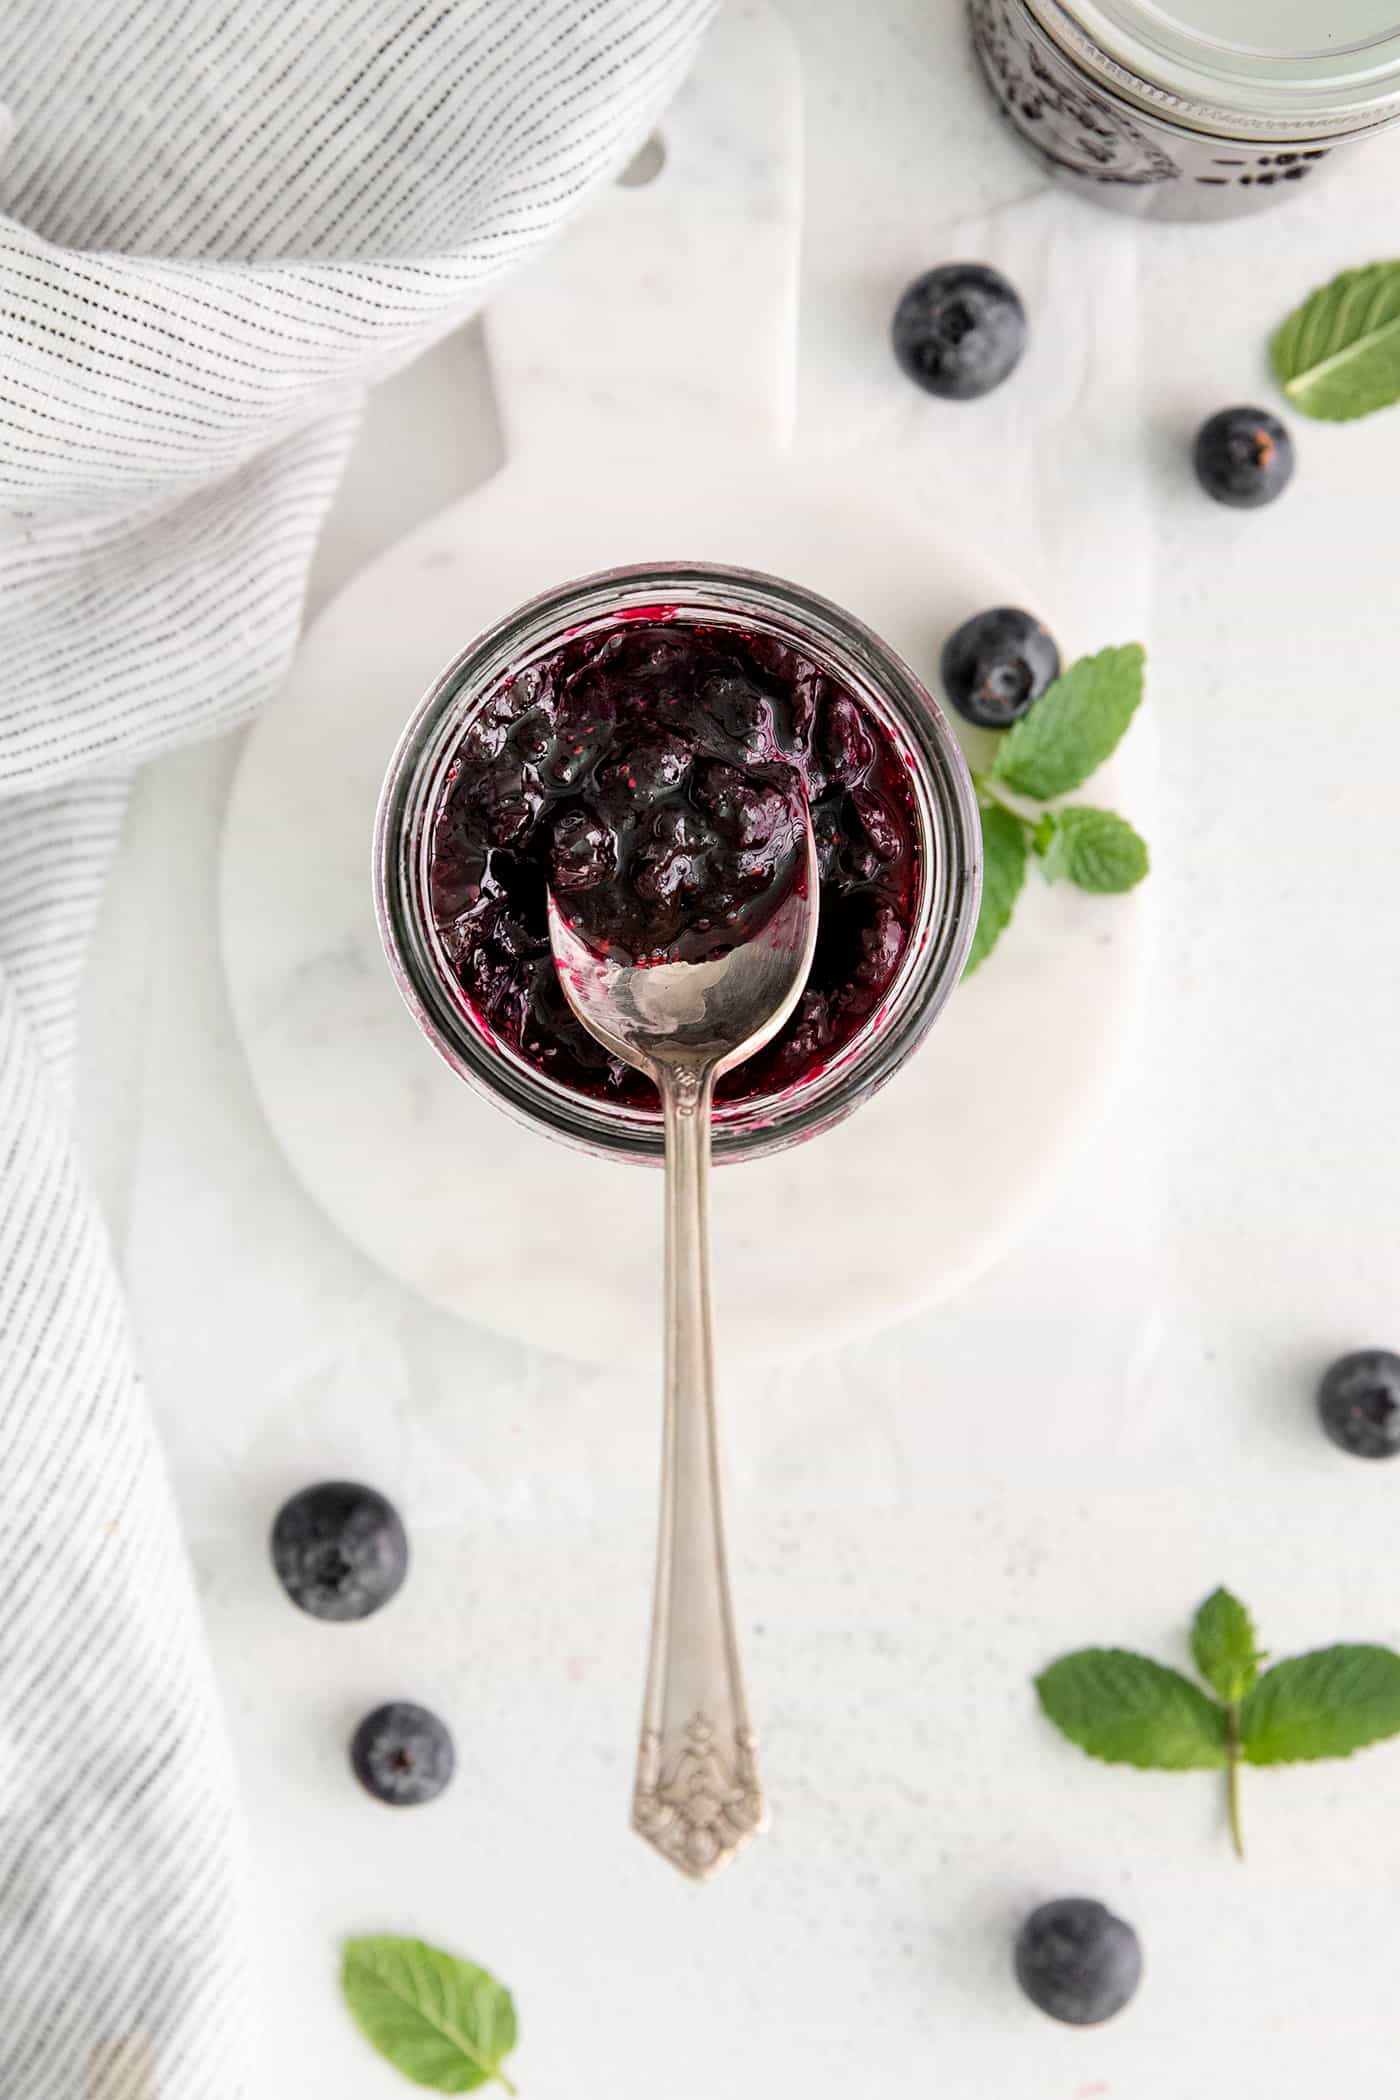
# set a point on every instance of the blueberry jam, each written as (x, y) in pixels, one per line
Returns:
(650, 772)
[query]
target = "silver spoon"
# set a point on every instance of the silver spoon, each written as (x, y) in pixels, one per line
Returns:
(698, 1795)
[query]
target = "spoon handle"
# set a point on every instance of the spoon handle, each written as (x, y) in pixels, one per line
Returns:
(698, 1796)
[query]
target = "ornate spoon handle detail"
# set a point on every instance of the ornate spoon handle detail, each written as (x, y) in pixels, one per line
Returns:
(698, 1796)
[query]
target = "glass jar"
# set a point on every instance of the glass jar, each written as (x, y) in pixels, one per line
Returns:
(1192, 109)
(948, 833)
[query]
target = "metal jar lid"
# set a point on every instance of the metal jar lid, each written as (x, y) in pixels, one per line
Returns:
(1275, 69)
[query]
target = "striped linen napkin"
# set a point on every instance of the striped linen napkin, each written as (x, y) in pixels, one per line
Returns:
(220, 220)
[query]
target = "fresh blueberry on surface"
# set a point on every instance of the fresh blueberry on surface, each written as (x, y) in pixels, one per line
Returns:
(1244, 457)
(959, 330)
(339, 1550)
(1077, 1962)
(997, 665)
(402, 1754)
(1359, 1403)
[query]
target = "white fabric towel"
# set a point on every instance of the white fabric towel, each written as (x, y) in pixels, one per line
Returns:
(219, 221)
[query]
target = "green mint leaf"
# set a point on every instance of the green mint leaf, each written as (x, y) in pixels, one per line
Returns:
(1003, 872)
(1094, 849)
(1338, 355)
(1128, 1710)
(1226, 1647)
(1074, 726)
(1043, 836)
(443, 2022)
(1326, 1704)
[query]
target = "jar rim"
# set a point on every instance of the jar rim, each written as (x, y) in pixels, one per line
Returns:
(950, 836)
(1147, 51)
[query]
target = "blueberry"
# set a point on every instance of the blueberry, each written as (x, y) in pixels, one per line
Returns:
(455, 881)
(1244, 457)
(402, 1754)
(1077, 1962)
(845, 746)
(505, 802)
(533, 735)
(500, 989)
(804, 1043)
(1359, 1403)
(804, 693)
(881, 943)
(877, 821)
(678, 825)
(510, 938)
(739, 810)
(646, 770)
(738, 707)
(959, 331)
(663, 872)
(583, 851)
(339, 1550)
(997, 665)
(831, 839)
(483, 742)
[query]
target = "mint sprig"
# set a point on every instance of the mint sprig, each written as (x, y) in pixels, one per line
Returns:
(443, 2022)
(1224, 1647)
(1129, 1710)
(1004, 850)
(1092, 848)
(1337, 356)
(1074, 726)
(1326, 1704)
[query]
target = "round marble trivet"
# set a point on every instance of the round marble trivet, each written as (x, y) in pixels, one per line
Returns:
(903, 1203)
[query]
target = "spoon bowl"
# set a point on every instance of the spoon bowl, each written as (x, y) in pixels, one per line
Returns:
(707, 1015)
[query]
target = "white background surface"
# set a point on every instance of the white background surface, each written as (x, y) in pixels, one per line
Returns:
(1077, 1450)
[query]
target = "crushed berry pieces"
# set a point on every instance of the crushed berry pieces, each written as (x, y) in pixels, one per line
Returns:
(651, 774)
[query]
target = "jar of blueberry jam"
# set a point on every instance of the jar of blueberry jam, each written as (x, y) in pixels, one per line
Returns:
(638, 740)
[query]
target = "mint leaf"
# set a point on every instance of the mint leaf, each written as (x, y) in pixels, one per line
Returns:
(443, 2022)
(1074, 726)
(1326, 1704)
(1003, 872)
(1338, 355)
(1094, 849)
(1225, 1646)
(1128, 1710)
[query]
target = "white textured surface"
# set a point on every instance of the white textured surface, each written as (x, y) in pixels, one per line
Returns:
(671, 309)
(862, 1947)
(1108, 1423)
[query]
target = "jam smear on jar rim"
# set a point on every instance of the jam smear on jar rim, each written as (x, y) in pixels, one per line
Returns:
(650, 772)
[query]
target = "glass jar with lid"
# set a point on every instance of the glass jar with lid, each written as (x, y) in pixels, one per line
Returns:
(1190, 109)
